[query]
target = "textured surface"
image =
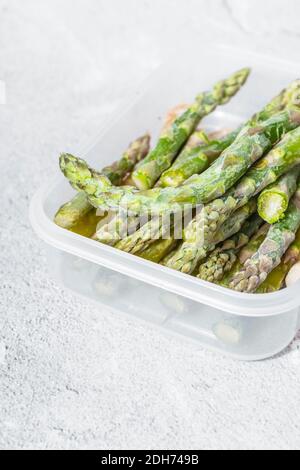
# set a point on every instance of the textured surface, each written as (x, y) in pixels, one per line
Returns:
(71, 376)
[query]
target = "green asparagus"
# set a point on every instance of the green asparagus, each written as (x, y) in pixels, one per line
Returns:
(253, 141)
(245, 253)
(160, 159)
(87, 224)
(205, 225)
(112, 199)
(274, 200)
(158, 250)
(172, 115)
(281, 159)
(269, 254)
(276, 278)
(195, 160)
(93, 183)
(114, 231)
(122, 225)
(194, 249)
(158, 227)
(152, 230)
(71, 213)
(280, 102)
(221, 260)
(214, 182)
(165, 260)
(136, 153)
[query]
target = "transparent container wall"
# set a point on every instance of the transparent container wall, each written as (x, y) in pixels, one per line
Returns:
(245, 338)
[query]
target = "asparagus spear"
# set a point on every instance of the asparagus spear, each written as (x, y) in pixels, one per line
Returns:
(287, 97)
(190, 163)
(278, 239)
(94, 184)
(194, 249)
(205, 225)
(136, 152)
(70, 214)
(195, 160)
(87, 224)
(153, 229)
(158, 250)
(223, 257)
(280, 102)
(124, 225)
(250, 145)
(157, 228)
(283, 157)
(165, 260)
(120, 226)
(274, 200)
(276, 278)
(253, 141)
(245, 253)
(161, 157)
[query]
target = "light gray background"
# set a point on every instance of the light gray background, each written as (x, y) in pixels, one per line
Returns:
(73, 376)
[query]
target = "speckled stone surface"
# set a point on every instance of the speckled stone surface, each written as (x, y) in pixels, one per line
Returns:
(73, 377)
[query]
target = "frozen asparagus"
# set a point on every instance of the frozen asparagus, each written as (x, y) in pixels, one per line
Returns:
(253, 141)
(111, 200)
(158, 250)
(229, 164)
(194, 249)
(119, 227)
(153, 229)
(287, 96)
(250, 145)
(123, 225)
(276, 279)
(86, 225)
(195, 160)
(71, 213)
(274, 200)
(165, 260)
(205, 225)
(93, 183)
(282, 158)
(136, 153)
(221, 260)
(245, 253)
(161, 157)
(192, 162)
(116, 230)
(156, 228)
(269, 254)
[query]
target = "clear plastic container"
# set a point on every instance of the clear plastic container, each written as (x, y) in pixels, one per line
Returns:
(244, 326)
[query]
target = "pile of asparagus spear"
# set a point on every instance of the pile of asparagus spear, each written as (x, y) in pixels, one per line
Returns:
(224, 207)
